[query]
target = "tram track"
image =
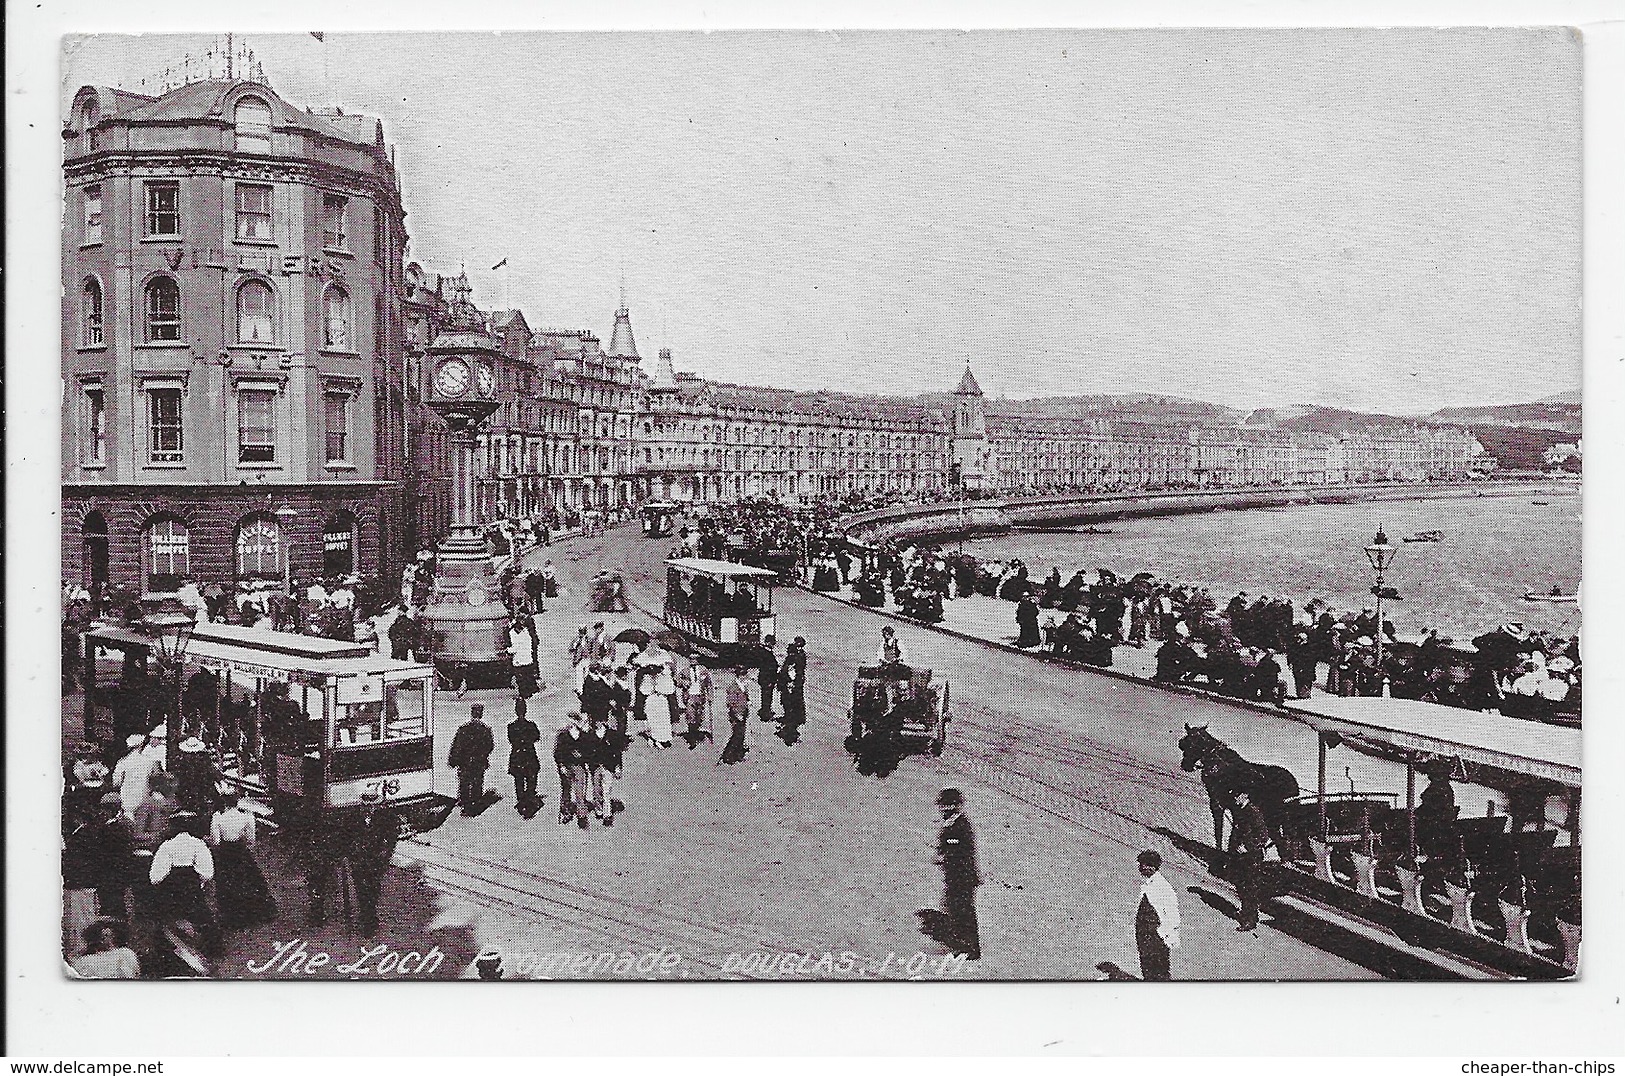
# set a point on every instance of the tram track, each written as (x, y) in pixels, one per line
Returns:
(544, 900)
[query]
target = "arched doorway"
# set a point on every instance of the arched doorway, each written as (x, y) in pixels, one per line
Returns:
(338, 544)
(93, 540)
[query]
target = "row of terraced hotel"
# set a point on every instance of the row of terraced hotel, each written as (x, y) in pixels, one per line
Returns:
(243, 357)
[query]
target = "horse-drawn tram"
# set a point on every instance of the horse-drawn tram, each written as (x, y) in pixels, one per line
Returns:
(304, 724)
(1464, 895)
(720, 608)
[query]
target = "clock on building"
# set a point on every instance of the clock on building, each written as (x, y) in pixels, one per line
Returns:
(452, 378)
(488, 380)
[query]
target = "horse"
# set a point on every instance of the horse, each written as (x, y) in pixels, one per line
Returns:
(1225, 772)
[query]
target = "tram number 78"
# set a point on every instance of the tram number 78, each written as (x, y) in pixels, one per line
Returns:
(384, 786)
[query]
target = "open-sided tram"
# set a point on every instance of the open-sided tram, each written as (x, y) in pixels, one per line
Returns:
(1502, 889)
(658, 518)
(305, 724)
(724, 610)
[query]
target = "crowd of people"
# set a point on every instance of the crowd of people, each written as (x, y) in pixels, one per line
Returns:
(158, 859)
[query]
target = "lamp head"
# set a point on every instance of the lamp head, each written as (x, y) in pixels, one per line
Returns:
(1379, 552)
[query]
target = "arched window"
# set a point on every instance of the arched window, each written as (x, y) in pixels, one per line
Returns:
(259, 548)
(255, 303)
(166, 548)
(253, 120)
(336, 319)
(90, 313)
(93, 116)
(162, 309)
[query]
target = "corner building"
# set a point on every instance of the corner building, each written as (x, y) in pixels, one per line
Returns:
(231, 348)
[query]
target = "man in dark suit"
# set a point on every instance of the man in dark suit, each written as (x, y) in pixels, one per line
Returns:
(956, 854)
(470, 754)
(1247, 844)
(793, 683)
(371, 848)
(767, 676)
(523, 763)
(572, 757)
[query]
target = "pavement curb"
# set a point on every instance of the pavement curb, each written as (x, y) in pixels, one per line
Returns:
(1078, 666)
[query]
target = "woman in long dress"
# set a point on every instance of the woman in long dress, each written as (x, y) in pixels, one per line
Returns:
(659, 689)
(240, 889)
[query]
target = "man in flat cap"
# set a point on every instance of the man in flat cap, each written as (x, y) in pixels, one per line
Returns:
(470, 754)
(956, 854)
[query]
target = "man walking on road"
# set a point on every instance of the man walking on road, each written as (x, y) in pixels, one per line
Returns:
(792, 686)
(372, 847)
(523, 764)
(470, 754)
(767, 676)
(572, 757)
(738, 718)
(1247, 861)
(956, 854)
(1156, 920)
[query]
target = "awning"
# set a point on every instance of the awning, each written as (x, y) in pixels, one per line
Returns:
(1508, 743)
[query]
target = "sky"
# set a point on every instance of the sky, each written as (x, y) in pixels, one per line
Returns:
(1384, 220)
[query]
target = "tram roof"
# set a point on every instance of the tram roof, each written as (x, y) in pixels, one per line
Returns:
(260, 651)
(719, 569)
(1509, 743)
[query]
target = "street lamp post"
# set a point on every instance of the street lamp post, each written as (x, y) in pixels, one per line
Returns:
(170, 628)
(1381, 556)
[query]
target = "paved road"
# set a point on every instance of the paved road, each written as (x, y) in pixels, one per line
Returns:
(1066, 773)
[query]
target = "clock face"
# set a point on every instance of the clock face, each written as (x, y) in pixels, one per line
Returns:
(452, 378)
(488, 380)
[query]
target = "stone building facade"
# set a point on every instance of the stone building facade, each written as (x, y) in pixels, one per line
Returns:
(231, 347)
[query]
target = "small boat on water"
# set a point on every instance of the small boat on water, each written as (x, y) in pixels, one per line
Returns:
(1542, 504)
(1553, 595)
(1426, 536)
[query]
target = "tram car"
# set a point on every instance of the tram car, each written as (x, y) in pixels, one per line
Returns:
(659, 517)
(896, 710)
(721, 609)
(301, 724)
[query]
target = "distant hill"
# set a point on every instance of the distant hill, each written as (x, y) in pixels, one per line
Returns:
(1573, 396)
(1550, 414)
(1141, 406)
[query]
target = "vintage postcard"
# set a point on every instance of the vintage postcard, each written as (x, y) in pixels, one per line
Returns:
(879, 505)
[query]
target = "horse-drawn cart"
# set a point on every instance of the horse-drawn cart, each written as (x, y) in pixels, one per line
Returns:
(897, 710)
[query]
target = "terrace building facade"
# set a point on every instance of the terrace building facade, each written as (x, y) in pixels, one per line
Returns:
(232, 346)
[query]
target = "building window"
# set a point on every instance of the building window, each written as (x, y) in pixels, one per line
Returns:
(168, 548)
(255, 302)
(334, 209)
(253, 120)
(254, 212)
(259, 549)
(256, 425)
(93, 116)
(163, 311)
(338, 427)
(93, 213)
(90, 313)
(163, 209)
(336, 317)
(164, 440)
(93, 425)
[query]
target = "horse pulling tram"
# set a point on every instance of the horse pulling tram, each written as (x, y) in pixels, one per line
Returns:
(722, 609)
(302, 724)
(1492, 896)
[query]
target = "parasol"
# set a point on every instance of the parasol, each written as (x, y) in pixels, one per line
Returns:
(635, 636)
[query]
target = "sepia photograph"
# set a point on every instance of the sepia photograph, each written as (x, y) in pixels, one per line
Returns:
(1075, 505)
